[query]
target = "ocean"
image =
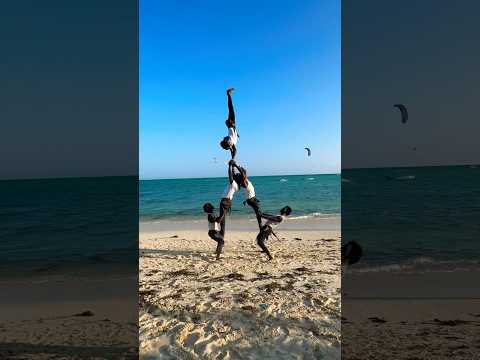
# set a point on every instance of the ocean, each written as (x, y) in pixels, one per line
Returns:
(413, 219)
(182, 199)
(53, 225)
(405, 219)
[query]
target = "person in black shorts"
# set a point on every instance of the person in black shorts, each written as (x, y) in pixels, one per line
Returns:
(267, 229)
(214, 227)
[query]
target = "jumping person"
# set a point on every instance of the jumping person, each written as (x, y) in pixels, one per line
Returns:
(226, 202)
(229, 142)
(214, 227)
(250, 198)
(270, 224)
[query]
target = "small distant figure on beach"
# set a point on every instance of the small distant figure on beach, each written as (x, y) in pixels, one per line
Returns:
(267, 229)
(229, 142)
(250, 198)
(214, 227)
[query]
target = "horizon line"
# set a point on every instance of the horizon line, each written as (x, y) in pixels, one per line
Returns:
(221, 177)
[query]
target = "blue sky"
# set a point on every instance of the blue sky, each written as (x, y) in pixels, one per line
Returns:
(282, 57)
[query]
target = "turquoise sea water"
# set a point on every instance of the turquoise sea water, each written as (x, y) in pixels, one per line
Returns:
(48, 225)
(308, 195)
(413, 218)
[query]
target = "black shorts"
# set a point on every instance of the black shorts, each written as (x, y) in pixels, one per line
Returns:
(265, 232)
(214, 234)
(254, 203)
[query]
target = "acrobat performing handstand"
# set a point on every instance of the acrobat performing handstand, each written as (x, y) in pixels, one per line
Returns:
(229, 142)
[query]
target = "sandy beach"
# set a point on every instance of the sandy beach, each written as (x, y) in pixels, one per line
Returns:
(60, 317)
(428, 315)
(243, 306)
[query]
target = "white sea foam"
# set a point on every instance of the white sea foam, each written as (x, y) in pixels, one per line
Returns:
(420, 264)
(313, 215)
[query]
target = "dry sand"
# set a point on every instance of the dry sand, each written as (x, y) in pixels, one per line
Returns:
(429, 315)
(243, 306)
(57, 318)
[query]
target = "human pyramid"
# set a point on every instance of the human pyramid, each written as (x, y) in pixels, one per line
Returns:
(237, 177)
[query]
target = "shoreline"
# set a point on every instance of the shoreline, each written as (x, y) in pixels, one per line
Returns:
(406, 286)
(241, 224)
(242, 306)
(424, 315)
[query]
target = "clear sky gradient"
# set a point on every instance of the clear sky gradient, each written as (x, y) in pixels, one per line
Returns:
(283, 58)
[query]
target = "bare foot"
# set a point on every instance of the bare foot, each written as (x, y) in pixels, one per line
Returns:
(230, 90)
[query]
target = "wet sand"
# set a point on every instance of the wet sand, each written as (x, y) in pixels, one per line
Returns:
(60, 317)
(428, 315)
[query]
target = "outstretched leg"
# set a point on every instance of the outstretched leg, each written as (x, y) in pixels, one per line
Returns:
(259, 219)
(255, 205)
(231, 113)
(261, 238)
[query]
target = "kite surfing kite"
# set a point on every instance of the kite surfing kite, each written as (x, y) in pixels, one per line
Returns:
(309, 152)
(403, 111)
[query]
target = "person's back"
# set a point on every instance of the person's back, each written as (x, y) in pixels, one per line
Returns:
(213, 224)
(232, 136)
(249, 190)
(274, 222)
(230, 190)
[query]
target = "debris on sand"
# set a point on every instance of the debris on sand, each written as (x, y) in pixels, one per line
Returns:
(85, 313)
(377, 320)
(182, 272)
(450, 322)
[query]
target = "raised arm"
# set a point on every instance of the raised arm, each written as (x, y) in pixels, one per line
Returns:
(221, 217)
(240, 170)
(230, 171)
(243, 173)
(233, 151)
